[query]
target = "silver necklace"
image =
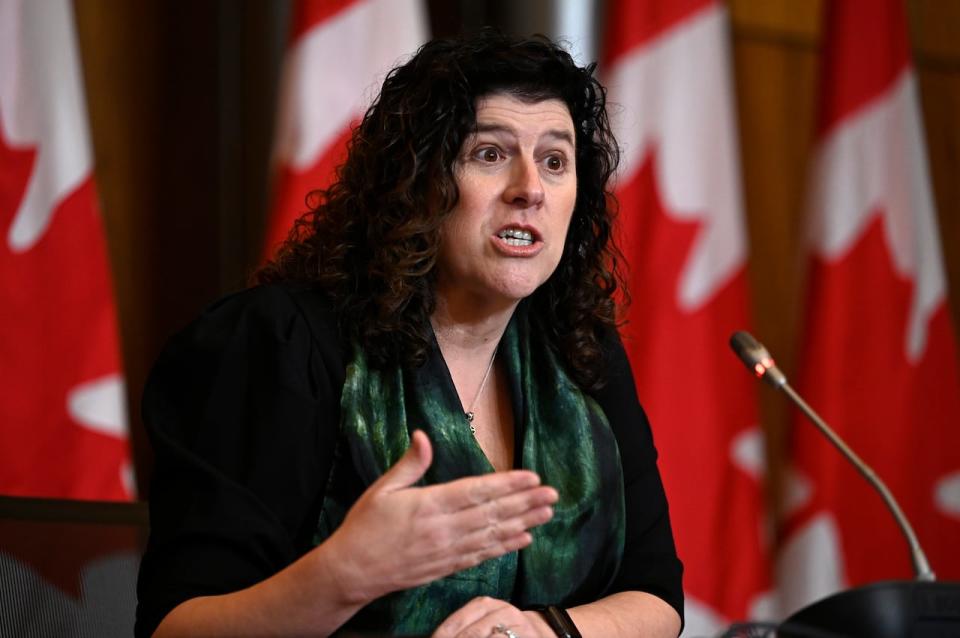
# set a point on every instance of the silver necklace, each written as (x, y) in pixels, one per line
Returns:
(483, 382)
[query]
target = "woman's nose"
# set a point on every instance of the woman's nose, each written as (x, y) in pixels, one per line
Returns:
(525, 188)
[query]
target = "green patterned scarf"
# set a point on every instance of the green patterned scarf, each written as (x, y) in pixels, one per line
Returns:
(565, 438)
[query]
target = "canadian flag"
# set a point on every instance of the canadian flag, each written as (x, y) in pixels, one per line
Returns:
(879, 361)
(63, 429)
(682, 232)
(340, 51)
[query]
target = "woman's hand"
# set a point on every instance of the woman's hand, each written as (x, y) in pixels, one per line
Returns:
(397, 536)
(486, 617)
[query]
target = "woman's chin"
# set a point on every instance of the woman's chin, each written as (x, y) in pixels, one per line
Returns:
(492, 290)
(516, 289)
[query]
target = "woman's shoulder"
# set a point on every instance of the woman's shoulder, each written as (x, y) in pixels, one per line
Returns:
(279, 327)
(274, 306)
(268, 313)
(233, 362)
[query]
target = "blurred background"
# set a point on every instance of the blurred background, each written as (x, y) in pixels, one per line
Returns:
(182, 102)
(182, 99)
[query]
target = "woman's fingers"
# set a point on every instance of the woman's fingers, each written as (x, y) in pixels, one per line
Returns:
(500, 531)
(450, 541)
(469, 614)
(516, 507)
(499, 538)
(476, 490)
(448, 545)
(479, 617)
(498, 518)
(472, 549)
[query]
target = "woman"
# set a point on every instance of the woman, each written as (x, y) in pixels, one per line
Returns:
(416, 424)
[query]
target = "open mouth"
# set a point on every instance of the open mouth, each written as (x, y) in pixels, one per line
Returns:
(516, 237)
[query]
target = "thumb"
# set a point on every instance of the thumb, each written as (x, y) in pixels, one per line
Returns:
(411, 465)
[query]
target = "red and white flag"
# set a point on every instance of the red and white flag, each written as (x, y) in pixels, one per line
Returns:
(878, 360)
(63, 429)
(682, 232)
(340, 51)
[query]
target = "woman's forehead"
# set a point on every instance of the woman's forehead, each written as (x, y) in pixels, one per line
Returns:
(508, 113)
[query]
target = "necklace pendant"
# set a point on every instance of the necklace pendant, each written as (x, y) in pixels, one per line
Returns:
(483, 382)
(473, 428)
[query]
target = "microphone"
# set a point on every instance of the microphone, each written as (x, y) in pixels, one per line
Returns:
(758, 360)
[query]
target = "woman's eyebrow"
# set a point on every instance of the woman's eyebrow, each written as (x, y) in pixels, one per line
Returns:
(560, 134)
(494, 128)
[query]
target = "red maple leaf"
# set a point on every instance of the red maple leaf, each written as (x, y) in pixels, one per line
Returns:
(58, 330)
(698, 400)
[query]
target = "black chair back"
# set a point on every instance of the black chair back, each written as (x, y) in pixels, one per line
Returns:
(69, 568)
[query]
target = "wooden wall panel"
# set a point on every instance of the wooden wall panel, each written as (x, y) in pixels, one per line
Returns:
(780, 21)
(774, 96)
(120, 53)
(940, 92)
(935, 31)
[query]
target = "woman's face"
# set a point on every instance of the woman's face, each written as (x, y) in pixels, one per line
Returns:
(518, 187)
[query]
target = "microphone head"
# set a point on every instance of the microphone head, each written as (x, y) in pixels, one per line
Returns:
(756, 358)
(747, 348)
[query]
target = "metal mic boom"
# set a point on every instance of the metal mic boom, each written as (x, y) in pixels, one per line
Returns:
(758, 360)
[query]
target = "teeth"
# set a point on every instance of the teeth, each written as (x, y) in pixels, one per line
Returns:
(516, 237)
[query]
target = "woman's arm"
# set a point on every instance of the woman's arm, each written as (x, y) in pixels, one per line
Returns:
(632, 614)
(626, 615)
(395, 537)
(650, 563)
(304, 598)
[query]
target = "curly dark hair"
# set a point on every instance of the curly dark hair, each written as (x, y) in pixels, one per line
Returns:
(371, 240)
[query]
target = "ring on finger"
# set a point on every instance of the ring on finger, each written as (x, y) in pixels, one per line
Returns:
(500, 628)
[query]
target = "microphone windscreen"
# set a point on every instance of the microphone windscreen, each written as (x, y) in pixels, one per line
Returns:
(747, 348)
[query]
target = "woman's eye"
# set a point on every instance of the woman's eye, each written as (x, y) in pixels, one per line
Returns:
(555, 163)
(489, 154)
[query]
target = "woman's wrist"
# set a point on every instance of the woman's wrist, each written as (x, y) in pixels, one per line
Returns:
(540, 624)
(558, 621)
(331, 565)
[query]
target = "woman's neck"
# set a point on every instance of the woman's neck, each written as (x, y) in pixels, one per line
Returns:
(469, 329)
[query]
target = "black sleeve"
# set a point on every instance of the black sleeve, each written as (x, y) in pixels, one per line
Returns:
(242, 415)
(650, 561)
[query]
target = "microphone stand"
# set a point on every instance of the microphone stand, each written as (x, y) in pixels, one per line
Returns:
(920, 608)
(921, 568)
